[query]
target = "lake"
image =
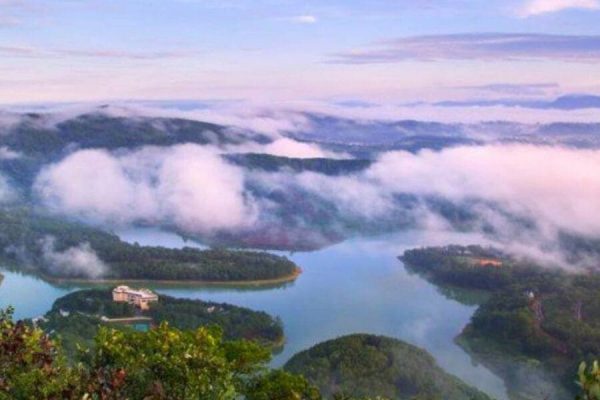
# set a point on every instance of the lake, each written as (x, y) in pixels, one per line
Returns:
(358, 286)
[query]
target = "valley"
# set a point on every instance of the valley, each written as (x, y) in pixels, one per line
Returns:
(299, 200)
(297, 251)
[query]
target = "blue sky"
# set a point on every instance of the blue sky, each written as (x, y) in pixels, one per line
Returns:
(382, 50)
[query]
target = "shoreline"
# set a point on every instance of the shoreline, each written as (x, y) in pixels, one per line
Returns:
(256, 282)
(515, 369)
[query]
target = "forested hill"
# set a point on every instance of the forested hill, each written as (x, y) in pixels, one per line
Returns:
(48, 246)
(38, 139)
(199, 364)
(76, 318)
(325, 166)
(367, 365)
(415, 135)
(39, 134)
(545, 315)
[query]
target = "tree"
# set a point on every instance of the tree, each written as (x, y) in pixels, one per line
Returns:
(31, 364)
(164, 363)
(589, 381)
(281, 385)
(168, 363)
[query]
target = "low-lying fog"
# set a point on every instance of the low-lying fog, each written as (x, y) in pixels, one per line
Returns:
(523, 195)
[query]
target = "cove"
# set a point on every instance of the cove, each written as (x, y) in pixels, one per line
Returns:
(357, 286)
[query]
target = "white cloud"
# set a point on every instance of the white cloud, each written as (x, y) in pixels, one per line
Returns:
(537, 7)
(79, 261)
(7, 154)
(305, 19)
(258, 117)
(7, 193)
(286, 147)
(355, 195)
(188, 186)
(490, 46)
(191, 188)
(562, 194)
(275, 119)
(429, 112)
(108, 53)
(500, 184)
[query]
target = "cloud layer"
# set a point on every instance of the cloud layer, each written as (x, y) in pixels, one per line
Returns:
(510, 190)
(537, 7)
(35, 52)
(79, 261)
(478, 46)
(192, 189)
(305, 19)
(187, 186)
(561, 195)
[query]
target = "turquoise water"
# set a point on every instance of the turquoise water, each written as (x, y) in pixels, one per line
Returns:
(141, 327)
(356, 286)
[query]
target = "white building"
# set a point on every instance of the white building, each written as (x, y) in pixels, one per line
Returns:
(138, 297)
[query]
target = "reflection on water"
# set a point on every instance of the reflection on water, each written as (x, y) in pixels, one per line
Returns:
(356, 286)
(29, 295)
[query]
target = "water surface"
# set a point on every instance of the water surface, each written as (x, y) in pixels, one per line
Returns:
(358, 286)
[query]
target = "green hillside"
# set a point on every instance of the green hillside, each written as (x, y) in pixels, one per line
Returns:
(367, 365)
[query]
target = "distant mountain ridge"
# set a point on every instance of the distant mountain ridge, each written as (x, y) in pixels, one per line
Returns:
(36, 133)
(411, 135)
(296, 217)
(566, 102)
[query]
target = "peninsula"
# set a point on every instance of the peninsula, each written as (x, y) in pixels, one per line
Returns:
(58, 249)
(535, 320)
(76, 317)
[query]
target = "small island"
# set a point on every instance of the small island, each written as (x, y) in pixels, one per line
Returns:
(57, 249)
(363, 365)
(536, 321)
(75, 318)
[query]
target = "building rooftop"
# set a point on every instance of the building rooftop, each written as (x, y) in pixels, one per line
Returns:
(142, 293)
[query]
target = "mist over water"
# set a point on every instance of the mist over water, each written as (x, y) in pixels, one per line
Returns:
(492, 178)
(411, 184)
(336, 133)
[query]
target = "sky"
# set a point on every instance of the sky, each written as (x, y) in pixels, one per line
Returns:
(276, 50)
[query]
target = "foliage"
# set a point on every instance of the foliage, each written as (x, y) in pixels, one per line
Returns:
(34, 136)
(164, 363)
(541, 313)
(75, 317)
(170, 363)
(368, 365)
(22, 233)
(451, 265)
(282, 385)
(73, 331)
(236, 322)
(589, 381)
(325, 166)
(40, 140)
(31, 365)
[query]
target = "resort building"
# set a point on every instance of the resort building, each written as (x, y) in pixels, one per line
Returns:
(141, 298)
(488, 262)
